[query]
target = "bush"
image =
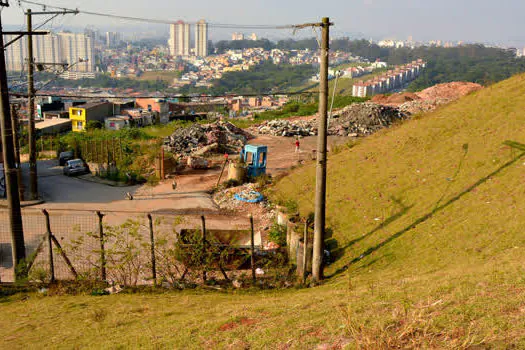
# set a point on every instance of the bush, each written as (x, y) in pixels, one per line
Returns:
(277, 234)
(93, 125)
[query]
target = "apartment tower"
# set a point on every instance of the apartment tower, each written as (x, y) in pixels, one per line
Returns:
(179, 42)
(201, 38)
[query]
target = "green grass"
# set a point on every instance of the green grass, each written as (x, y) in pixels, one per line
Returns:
(430, 245)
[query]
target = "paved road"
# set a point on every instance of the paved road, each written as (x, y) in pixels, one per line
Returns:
(57, 188)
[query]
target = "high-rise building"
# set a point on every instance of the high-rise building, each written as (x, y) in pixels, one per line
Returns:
(201, 39)
(53, 48)
(179, 42)
(113, 39)
(237, 36)
(253, 37)
(75, 48)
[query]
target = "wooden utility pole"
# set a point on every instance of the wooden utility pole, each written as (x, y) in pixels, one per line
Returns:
(11, 180)
(320, 186)
(33, 176)
(16, 145)
(33, 180)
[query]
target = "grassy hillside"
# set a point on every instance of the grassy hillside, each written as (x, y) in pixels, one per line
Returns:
(428, 229)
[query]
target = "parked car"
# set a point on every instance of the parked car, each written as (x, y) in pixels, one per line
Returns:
(64, 157)
(75, 167)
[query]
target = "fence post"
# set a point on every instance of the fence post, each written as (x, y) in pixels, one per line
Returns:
(305, 249)
(102, 251)
(204, 248)
(252, 258)
(49, 246)
(153, 260)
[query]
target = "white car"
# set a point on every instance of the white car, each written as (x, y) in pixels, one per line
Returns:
(75, 167)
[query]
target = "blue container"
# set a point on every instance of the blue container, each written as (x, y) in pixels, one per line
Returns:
(255, 156)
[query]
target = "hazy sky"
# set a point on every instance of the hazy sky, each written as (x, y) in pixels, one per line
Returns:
(470, 20)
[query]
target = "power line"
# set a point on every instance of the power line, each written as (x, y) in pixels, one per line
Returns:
(162, 21)
(82, 96)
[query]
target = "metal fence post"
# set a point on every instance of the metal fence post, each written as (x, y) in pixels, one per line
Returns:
(102, 251)
(49, 245)
(203, 248)
(252, 258)
(152, 245)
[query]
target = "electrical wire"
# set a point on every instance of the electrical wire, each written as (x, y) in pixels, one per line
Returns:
(161, 21)
(82, 96)
(45, 22)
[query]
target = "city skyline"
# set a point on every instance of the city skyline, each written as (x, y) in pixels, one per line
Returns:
(75, 49)
(468, 20)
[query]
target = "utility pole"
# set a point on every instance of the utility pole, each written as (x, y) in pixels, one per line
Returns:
(33, 176)
(16, 144)
(11, 180)
(33, 180)
(320, 185)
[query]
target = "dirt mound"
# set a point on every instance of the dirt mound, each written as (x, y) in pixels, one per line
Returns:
(450, 91)
(398, 98)
(428, 99)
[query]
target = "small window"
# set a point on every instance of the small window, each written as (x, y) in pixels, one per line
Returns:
(79, 112)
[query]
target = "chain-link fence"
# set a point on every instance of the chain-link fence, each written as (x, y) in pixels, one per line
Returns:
(130, 248)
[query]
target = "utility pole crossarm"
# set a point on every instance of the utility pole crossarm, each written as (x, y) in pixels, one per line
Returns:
(42, 32)
(65, 12)
(21, 34)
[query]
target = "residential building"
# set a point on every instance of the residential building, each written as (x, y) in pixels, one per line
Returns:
(117, 122)
(46, 48)
(158, 105)
(179, 42)
(55, 48)
(201, 39)
(82, 114)
(76, 48)
(52, 126)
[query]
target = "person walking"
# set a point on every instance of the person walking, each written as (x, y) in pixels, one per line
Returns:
(297, 145)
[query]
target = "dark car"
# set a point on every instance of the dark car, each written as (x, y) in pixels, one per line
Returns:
(75, 167)
(64, 157)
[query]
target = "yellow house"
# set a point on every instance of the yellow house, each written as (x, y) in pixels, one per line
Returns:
(82, 114)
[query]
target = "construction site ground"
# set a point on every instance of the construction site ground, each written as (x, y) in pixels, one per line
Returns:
(191, 198)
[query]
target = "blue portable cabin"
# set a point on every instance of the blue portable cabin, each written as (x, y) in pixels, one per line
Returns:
(255, 156)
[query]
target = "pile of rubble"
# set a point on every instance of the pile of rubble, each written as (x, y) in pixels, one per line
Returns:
(428, 99)
(358, 119)
(363, 119)
(289, 128)
(218, 136)
(225, 199)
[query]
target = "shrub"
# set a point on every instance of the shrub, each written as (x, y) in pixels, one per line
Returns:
(277, 234)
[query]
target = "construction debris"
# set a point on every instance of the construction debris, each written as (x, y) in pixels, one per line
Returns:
(363, 119)
(187, 141)
(198, 163)
(355, 120)
(289, 128)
